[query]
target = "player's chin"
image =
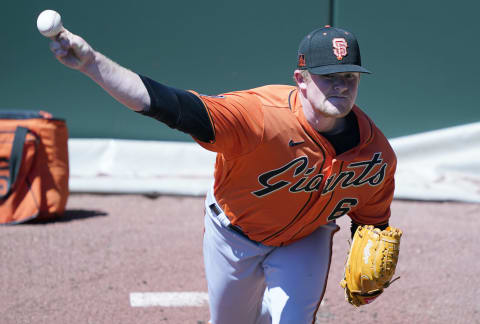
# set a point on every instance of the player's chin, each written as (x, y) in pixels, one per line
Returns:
(338, 110)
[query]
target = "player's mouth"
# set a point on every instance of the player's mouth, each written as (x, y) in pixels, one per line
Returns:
(335, 98)
(338, 96)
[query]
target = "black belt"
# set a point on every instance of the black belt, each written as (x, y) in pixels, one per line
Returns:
(217, 211)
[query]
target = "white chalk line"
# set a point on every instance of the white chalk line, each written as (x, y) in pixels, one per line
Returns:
(172, 299)
(168, 299)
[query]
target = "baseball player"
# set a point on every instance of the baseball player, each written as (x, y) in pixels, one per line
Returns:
(290, 161)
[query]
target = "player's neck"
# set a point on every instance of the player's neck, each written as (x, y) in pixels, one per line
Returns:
(328, 125)
(340, 124)
(320, 122)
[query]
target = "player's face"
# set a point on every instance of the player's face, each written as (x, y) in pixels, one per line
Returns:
(333, 95)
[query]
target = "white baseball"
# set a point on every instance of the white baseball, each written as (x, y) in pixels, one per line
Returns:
(49, 23)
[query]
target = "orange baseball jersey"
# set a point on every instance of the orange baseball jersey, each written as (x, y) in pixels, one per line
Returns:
(278, 179)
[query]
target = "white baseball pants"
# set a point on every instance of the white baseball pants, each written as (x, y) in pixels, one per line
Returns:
(250, 283)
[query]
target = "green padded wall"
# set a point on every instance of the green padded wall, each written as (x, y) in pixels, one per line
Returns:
(423, 55)
(208, 46)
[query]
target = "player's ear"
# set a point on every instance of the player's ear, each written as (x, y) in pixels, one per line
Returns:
(300, 80)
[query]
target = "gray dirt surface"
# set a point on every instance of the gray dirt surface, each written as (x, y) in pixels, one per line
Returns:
(83, 267)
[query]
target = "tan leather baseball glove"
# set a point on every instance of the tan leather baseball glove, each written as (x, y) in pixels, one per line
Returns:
(371, 263)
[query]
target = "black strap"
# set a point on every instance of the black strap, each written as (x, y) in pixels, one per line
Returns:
(15, 159)
(354, 226)
(217, 211)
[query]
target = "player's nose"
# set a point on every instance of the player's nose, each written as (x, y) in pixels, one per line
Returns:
(340, 85)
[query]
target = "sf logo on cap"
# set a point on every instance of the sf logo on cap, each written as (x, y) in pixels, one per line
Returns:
(339, 48)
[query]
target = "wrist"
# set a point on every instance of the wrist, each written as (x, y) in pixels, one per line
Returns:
(90, 66)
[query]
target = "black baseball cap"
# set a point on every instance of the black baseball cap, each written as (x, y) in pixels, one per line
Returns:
(330, 50)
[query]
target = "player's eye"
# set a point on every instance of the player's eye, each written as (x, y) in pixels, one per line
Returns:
(350, 76)
(329, 76)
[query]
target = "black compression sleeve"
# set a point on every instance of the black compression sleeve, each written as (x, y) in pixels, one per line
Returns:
(354, 226)
(178, 109)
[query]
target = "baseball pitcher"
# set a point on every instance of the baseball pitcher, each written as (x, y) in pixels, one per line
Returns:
(290, 161)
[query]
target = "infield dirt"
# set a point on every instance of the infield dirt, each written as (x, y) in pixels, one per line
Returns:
(83, 267)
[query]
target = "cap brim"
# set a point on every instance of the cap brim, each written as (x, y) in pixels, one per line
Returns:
(328, 69)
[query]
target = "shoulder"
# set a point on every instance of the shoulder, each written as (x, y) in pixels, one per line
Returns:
(268, 95)
(273, 95)
(371, 137)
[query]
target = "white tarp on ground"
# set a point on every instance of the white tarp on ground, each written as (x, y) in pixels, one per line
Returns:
(437, 165)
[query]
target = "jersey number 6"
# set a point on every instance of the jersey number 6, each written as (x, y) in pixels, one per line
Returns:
(342, 208)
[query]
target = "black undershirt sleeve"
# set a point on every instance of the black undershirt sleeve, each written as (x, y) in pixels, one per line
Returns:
(178, 109)
(354, 226)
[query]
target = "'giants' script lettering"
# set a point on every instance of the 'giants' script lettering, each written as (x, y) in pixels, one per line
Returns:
(307, 184)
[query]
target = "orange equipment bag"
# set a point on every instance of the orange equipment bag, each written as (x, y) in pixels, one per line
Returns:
(34, 167)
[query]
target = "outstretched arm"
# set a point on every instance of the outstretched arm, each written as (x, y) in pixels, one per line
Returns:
(122, 84)
(177, 108)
